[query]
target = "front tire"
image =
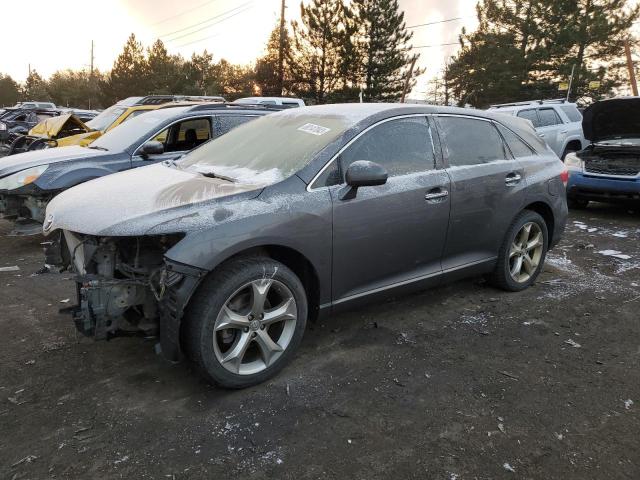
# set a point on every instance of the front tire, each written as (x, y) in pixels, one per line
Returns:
(522, 254)
(246, 321)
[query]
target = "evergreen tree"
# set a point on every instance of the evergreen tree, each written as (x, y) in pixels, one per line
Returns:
(35, 88)
(9, 91)
(165, 72)
(315, 59)
(521, 50)
(129, 74)
(74, 88)
(377, 54)
(200, 71)
(266, 69)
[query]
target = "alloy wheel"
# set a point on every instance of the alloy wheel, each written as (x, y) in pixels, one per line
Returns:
(255, 326)
(526, 251)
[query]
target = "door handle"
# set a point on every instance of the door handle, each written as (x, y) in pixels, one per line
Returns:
(564, 132)
(541, 135)
(512, 179)
(436, 194)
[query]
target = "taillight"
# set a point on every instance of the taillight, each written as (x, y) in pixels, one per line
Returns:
(564, 176)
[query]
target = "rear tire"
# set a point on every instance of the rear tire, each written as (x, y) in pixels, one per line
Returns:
(577, 203)
(232, 331)
(522, 254)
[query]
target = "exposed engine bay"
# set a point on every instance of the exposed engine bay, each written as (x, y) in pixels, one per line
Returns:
(619, 160)
(120, 280)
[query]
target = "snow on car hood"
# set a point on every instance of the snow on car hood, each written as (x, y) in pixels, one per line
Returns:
(144, 201)
(613, 118)
(22, 161)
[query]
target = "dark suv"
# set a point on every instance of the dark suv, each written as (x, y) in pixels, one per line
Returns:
(18, 121)
(29, 180)
(229, 251)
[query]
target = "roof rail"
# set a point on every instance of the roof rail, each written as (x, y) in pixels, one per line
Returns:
(236, 106)
(529, 102)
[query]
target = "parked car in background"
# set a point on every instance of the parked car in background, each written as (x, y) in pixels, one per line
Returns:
(28, 181)
(18, 121)
(280, 101)
(81, 114)
(36, 105)
(608, 170)
(231, 249)
(557, 121)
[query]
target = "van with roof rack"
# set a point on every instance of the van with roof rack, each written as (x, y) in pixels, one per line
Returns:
(558, 122)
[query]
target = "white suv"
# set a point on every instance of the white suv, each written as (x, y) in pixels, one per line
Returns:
(557, 121)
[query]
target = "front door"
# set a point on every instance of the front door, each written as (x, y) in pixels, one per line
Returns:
(390, 234)
(487, 189)
(177, 139)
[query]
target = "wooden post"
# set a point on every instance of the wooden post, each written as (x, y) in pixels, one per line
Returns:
(631, 68)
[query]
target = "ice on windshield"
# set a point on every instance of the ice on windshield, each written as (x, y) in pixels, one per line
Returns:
(272, 147)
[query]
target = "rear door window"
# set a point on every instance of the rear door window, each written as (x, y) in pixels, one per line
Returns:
(226, 123)
(469, 141)
(572, 113)
(531, 115)
(402, 146)
(548, 117)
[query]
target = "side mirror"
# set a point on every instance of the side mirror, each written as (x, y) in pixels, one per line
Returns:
(363, 173)
(151, 148)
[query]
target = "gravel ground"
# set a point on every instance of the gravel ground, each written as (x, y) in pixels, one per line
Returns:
(460, 382)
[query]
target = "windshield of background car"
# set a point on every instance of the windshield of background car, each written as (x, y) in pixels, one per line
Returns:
(106, 118)
(269, 149)
(125, 135)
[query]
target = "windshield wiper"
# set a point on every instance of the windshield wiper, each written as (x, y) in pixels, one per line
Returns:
(216, 175)
(94, 147)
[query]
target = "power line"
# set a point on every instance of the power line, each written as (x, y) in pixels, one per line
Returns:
(435, 23)
(434, 46)
(202, 23)
(210, 36)
(183, 13)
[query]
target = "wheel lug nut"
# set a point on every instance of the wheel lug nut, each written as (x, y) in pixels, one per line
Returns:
(262, 327)
(250, 317)
(262, 316)
(246, 329)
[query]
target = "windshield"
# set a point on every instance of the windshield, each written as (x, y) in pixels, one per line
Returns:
(106, 118)
(126, 134)
(269, 149)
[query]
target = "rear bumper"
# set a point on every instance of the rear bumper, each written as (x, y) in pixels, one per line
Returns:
(601, 188)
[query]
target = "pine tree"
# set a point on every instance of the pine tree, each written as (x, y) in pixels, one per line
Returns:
(315, 59)
(200, 72)
(9, 91)
(165, 72)
(35, 88)
(267, 66)
(378, 53)
(129, 74)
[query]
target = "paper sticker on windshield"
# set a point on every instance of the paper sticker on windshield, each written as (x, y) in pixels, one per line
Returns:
(314, 129)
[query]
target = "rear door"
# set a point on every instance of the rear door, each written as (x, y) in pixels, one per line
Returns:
(487, 189)
(552, 129)
(391, 234)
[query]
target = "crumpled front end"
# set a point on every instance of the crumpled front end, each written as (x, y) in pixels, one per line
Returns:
(124, 285)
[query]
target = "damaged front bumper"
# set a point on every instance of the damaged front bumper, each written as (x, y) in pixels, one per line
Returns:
(28, 211)
(116, 298)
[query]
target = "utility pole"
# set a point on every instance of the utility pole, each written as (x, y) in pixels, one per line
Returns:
(573, 70)
(408, 81)
(631, 68)
(446, 84)
(281, 55)
(91, 90)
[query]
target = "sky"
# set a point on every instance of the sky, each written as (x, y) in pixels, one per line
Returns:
(60, 35)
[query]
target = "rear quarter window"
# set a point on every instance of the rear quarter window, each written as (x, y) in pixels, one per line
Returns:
(530, 115)
(572, 113)
(518, 148)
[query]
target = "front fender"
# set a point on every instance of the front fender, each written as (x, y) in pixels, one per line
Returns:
(62, 180)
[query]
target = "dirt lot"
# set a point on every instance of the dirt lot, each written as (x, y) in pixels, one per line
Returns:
(461, 382)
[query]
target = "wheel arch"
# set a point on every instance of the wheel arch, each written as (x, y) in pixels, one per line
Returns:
(545, 211)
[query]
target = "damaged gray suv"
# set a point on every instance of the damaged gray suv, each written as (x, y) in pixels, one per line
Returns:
(228, 252)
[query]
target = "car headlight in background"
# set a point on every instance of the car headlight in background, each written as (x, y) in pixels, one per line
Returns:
(20, 179)
(3, 126)
(573, 161)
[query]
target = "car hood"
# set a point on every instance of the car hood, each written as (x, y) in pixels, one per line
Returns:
(22, 161)
(617, 117)
(156, 199)
(51, 127)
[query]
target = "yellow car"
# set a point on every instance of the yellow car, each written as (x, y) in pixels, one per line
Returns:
(66, 130)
